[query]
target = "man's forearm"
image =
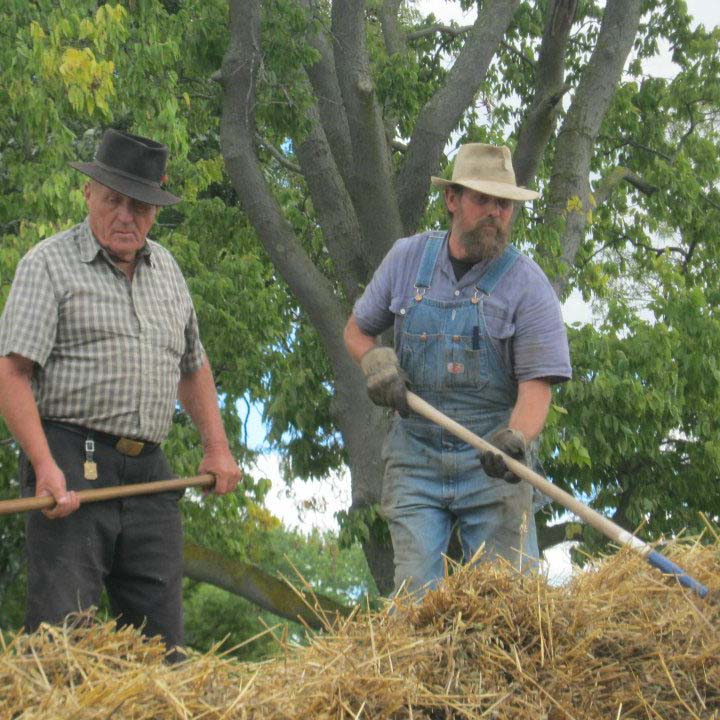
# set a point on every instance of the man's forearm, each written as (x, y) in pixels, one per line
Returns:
(531, 408)
(198, 395)
(19, 409)
(357, 342)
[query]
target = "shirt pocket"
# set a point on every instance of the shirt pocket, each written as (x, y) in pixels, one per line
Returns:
(166, 321)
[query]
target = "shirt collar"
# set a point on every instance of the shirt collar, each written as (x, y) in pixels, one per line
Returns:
(90, 248)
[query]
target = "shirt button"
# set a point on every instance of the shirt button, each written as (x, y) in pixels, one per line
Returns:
(402, 311)
(457, 292)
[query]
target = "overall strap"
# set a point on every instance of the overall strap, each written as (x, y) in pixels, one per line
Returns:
(429, 258)
(498, 267)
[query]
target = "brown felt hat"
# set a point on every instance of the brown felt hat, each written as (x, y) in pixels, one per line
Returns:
(487, 169)
(132, 165)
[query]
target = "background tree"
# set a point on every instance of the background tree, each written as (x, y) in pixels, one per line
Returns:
(379, 92)
(334, 115)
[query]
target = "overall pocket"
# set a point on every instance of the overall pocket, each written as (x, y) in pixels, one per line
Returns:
(464, 366)
(421, 357)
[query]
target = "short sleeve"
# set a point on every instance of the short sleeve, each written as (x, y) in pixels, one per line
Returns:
(29, 320)
(540, 347)
(372, 309)
(194, 355)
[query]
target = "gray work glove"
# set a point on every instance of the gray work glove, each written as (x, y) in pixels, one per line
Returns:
(512, 443)
(385, 379)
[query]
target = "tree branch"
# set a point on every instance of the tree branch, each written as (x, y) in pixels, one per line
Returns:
(658, 251)
(287, 164)
(539, 124)
(569, 190)
(712, 203)
(372, 189)
(452, 30)
(393, 37)
(254, 584)
(606, 186)
(323, 78)
(640, 146)
(334, 208)
(551, 535)
(395, 45)
(443, 111)
(237, 136)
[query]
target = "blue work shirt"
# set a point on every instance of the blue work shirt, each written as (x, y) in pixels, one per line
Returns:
(523, 314)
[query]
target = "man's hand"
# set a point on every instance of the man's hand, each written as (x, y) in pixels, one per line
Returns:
(49, 480)
(385, 379)
(512, 443)
(220, 463)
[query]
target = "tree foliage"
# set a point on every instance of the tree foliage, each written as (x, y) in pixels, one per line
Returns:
(313, 563)
(627, 164)
(70, 69)
(302, 135)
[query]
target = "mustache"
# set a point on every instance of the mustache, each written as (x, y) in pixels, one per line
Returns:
(489, 222)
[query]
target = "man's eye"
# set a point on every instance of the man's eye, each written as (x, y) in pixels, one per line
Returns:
(486, 200)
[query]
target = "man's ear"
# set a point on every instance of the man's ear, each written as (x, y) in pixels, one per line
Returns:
(452, 198)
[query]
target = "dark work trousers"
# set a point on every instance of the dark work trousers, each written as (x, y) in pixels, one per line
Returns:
(133, 546)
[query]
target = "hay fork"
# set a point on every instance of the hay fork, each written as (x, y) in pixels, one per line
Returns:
(590, 516)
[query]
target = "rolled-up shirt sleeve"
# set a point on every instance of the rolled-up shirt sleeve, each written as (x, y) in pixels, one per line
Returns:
(194, 355)
(29, 320)
(372, 309)
(540, 345)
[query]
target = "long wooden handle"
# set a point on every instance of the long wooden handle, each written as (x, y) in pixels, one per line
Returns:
(590, 516)
(8, 507)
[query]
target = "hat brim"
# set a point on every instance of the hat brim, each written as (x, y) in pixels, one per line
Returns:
(127, 186)
(496, 189)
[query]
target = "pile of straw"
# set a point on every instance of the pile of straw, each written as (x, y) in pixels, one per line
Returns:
(620, 641)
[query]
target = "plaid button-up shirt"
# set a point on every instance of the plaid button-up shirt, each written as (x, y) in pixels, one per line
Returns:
(109, 352)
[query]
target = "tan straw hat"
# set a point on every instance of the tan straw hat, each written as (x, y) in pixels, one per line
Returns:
(487, 169)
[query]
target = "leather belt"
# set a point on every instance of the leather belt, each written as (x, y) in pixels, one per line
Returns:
(125, 446)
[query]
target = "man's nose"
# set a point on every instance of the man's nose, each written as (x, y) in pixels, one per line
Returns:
(493, 207)
(125, 213)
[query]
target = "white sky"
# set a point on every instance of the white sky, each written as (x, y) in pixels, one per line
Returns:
(308, 504)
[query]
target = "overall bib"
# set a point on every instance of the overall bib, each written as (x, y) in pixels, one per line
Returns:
(432, 478)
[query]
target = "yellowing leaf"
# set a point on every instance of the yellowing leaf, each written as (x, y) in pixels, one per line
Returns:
(574, 204)
(36, 32)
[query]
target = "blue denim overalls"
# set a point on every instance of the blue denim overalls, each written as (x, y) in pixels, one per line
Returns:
(431, 477)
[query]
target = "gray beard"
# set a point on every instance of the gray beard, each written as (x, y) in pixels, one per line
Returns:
(479, 244)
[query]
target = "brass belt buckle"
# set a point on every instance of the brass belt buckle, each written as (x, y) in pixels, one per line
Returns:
(126, 446)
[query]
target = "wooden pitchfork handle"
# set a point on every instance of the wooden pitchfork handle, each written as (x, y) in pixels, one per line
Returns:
(8, 507)
(590, 516)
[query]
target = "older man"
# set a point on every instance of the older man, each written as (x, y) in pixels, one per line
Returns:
(98, 339)
(479, 335)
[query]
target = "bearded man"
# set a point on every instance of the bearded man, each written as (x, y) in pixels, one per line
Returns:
(479, 334)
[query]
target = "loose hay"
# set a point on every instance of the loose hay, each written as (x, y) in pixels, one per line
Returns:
(620, 641)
